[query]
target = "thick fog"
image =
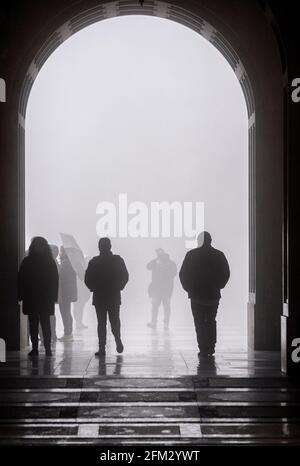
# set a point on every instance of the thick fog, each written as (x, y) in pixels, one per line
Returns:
(141, 109)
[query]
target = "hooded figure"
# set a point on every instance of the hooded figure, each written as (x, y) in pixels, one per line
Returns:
(38, 290)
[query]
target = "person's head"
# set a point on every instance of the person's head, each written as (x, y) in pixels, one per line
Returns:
(39, 247)
(104, 244)
(54, 250)
(204, 239)
(165, 257)
(160, 253)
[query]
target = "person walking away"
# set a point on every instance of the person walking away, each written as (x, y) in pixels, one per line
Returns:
(38, 291)
(55, 252)
(106, 276)
(204, 272)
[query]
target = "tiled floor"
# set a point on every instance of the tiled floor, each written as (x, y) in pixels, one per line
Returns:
(158, 391)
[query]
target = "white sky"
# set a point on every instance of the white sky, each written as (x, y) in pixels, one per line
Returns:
(147, 107)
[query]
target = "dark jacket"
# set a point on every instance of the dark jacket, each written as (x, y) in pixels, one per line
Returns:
(106, 276)
(163, 273)
(204, 272)
(38, 285)
(67, 282)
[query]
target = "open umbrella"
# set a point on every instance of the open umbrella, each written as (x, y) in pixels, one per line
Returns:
(74, 254)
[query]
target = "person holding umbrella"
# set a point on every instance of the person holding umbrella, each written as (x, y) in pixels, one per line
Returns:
(67, 293)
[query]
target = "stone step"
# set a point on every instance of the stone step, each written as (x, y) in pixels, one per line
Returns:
(185, 410)
(147, 412)
(198, 396)
(147, 382)
(183, 433)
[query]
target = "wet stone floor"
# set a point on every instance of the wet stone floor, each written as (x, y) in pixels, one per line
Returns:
(157, 392)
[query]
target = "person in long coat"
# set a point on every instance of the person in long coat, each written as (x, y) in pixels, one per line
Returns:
(38, 291)
(54, 251)
(84, 295)
(67, 293)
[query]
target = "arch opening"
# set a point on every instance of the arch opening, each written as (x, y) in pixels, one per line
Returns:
(165, 195)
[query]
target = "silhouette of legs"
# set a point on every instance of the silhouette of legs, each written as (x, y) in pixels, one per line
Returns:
(34, 320)
(65, 310)
(34, 331)
(156, 302)
(53, 327)
(78, 309)
(205, 326)
(155, 306)
(113, 312)
(166, 301)
(102, 319)
(115, 323)
(46, 329)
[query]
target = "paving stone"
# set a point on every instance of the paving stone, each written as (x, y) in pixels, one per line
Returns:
(139, 430)
(157, 392)
(126, 412)
(29, 397)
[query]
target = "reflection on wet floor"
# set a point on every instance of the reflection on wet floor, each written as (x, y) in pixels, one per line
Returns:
(157, 391)
(147, 354)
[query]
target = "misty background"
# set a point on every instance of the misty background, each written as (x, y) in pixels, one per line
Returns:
(147, 107)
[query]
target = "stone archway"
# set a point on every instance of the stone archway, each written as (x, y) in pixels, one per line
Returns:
(165, 11)
(248, 42)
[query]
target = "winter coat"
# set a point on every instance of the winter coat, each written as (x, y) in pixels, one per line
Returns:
(106, 276)
(204, 272)
(38, 285)
(67, 282)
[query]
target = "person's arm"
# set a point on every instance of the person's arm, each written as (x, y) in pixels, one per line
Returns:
(184, 273)
(151, 264)
(124, 275)
(89, 276)
(225, 271)
(54, 281)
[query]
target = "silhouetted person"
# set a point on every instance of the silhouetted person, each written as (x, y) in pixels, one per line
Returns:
(67, 293)
(106, 276)
(38, 290)
(161, 287)
(84, 295)
(204, 272)
(55, 251)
